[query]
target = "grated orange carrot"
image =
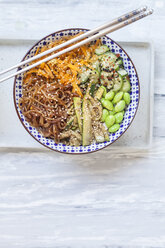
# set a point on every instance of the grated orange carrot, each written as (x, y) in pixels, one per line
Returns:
(66, 67)
(74, 67)
(47, 70)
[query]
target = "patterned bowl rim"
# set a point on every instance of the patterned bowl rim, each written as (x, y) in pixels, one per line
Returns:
(76, 153)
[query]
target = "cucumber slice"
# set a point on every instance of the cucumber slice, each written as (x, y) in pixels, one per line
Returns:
(102, 49)
(99, 93)
(94, 76)
(108, 61)
(116, 67)
(106, 79)
(84, 76)
(77, 106)
(119, 62)
(122, 72)
(87, 124)
(111, 56)
(105, 90)
(118, 82)
(126, 85)
(105, 64)
(96, 66)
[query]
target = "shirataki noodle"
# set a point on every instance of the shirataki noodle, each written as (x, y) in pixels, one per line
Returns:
(45, 105)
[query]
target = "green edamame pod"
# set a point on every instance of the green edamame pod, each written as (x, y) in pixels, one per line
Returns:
(127, 98)
(118, 97)
(110, 120)
(114, 128)
(105, 90)
(120, 106)
(110, 95)
(105, 113)
(107, 104)
(119, 117)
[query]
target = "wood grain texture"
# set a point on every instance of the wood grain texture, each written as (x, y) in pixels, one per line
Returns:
(104, 200)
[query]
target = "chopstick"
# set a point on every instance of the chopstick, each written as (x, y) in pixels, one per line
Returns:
(112, 26)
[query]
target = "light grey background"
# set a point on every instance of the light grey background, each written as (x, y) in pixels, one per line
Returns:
(107, 199)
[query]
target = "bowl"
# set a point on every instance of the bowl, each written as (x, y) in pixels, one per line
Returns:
(129, 114)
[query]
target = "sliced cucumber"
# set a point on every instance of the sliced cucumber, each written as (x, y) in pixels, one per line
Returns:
(118, 82)
(111, 56)
(77, 106)
(126, 85)
(122, 72)
(108, 61)
(94, 76)
(99, 93)
(106, 79)
(87, 123)
(84, 76)
(105, 90)
(119, 62)
(109, 65)
(96, 65)
(116, 67)
(102, 49)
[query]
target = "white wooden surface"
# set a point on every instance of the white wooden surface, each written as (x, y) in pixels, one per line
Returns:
(104, 200)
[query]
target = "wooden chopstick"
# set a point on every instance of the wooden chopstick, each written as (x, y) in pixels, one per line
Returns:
(106, 28)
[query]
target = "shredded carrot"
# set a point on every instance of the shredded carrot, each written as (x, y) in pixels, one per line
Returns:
(42, 66)
(74, 67)
(47, 70)
(66, 67)
(84, 50)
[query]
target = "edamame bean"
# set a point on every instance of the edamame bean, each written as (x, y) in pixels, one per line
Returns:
(114, 128)
(119, 117)
(118, 97)
(107, 104)
(112, 112)
(110, 120)
(120, 106)
(105, 113)
(105, 90)
(127, 98)
(110, 95)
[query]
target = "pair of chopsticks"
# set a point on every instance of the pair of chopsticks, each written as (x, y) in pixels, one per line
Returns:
(91, 35)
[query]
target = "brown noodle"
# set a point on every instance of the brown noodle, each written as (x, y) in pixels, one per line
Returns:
(45, 105)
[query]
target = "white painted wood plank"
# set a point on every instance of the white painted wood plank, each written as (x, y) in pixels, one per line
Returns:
(76, 201)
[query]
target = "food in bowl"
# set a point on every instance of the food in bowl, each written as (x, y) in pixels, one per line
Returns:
(79, 97)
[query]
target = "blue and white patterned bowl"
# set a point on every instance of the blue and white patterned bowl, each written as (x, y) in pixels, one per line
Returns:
(129, 114)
